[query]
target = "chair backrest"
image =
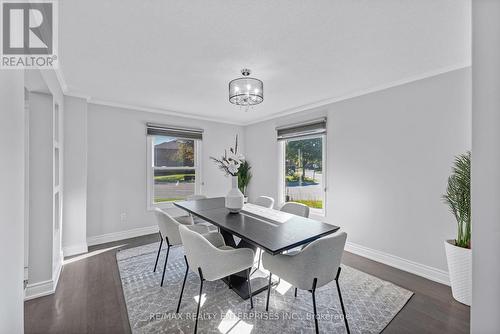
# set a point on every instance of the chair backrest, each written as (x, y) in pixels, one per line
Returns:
(265, 201)
(295, 208)
(320, 259)
(195, 197)
(169, 227)
(199, 252)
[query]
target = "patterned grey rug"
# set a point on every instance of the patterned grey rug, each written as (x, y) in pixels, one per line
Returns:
(371, 303)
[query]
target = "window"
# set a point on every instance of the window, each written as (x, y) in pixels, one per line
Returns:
(174, 172)
(303, 161)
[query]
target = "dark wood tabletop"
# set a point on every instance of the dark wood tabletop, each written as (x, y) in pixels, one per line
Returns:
(259, 229)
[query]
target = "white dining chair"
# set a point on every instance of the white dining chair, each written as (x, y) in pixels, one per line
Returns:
(310, 268)
(212, 262)
(169, 231)
(295, 208)
(265, 201)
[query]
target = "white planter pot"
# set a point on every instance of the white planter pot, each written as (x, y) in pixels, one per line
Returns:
(460, 270)
(234, 199)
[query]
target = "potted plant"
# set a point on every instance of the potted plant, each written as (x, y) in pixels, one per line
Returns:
(458, 251)
(230, 164)
(244, 177)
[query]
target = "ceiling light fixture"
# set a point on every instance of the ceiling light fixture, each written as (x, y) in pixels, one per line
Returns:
(246, 91)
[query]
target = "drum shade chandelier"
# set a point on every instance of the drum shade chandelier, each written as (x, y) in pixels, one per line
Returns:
(246, 91)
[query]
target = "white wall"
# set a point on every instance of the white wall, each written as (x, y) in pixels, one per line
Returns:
(117, 181)
(75, 176)
(12, 166)
(45, 232)
(389, 154)
(486, 167)
(40, 188)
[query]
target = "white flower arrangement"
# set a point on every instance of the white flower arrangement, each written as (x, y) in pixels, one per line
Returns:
(230, 162)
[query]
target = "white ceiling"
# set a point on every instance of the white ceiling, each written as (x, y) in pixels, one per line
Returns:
(180, 55)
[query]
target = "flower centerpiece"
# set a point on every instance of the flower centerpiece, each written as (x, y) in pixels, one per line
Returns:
(230, 164)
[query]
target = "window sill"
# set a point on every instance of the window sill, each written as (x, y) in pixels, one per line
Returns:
(168, 207)
(161, 205)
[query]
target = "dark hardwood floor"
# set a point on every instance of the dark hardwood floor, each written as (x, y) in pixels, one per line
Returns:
(89, 297)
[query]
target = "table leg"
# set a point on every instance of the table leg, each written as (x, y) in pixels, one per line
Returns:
(238, 281)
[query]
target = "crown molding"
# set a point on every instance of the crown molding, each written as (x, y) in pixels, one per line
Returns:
(324, 102)
(78, 96)
(305, 107)
(60, 78)
(161, 111)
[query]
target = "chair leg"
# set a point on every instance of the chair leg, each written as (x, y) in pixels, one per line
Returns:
(341, 301)
(249, 288)
(295, 293)
(183, 284)
(165, 264)
(158, 255)
(268, 292)
(199, 301)
(315, 281)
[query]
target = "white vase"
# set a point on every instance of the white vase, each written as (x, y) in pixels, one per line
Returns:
(234, 198)
(460, 271)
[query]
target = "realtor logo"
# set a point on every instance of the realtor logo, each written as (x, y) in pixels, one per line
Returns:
(29, 34)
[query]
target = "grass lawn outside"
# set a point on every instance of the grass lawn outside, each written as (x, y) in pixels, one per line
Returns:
(315, 204)
(173, 199)
(174, 178)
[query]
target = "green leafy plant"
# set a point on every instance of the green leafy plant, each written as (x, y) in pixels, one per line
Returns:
(174, 178)
(296, 177)
(244, 176)
(458, 198)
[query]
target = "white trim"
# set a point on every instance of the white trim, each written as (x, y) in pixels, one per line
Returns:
(161, 111)
(43, 288)
(288, 111)
(39, 289)
(75, 249)
(281, 174)
(60, 78)
(78, 96)
(360, 92)
(320, 213)
(431, 273)
(198, 182)
(115, 236)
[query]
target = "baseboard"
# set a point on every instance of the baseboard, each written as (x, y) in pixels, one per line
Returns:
(419, 269)
(75, 249)
(116, 236)
(43, 288)
(39, 289)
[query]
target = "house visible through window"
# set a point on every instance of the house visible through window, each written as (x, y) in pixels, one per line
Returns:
(303, 164)
(174, 172)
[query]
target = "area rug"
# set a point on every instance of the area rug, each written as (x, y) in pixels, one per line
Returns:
(371, 303)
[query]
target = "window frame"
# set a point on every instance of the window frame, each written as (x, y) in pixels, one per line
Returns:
(151, 205)
(324, 180)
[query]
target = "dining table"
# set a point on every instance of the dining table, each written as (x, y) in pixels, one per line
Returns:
(253, 227)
